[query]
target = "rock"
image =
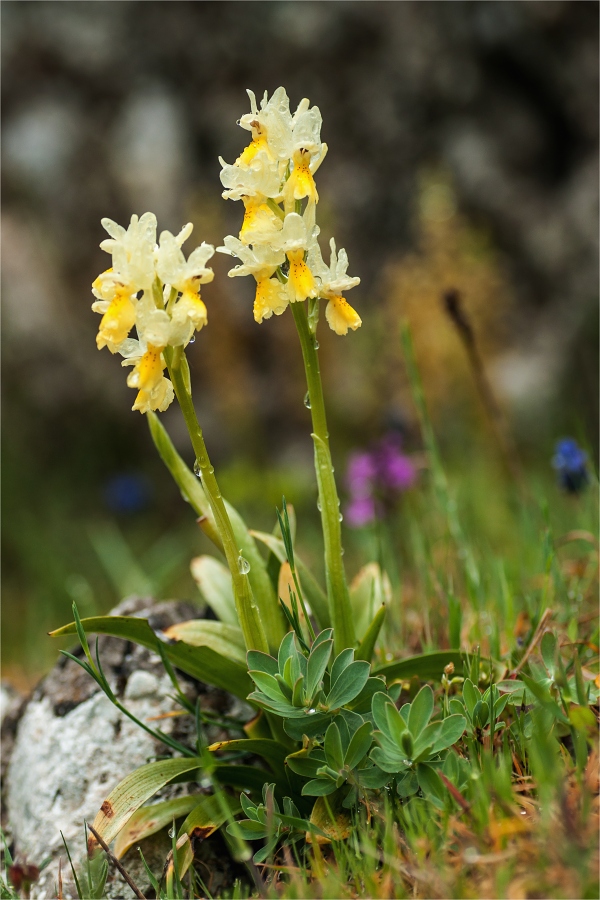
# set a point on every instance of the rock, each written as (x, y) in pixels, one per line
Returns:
(72, 747)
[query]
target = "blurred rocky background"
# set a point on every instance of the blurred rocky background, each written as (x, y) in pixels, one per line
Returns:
(463, 154)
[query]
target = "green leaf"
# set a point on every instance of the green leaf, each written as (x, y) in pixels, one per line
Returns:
(227, 640)
(349, 684)
(286, 649)
(150, 819)
(214, 582)
(450, 732)
(366, 648)
(209, 814)
(333, 747)
(430, 782)
(325, 635)
(306, 766)
(315, 667)
(396, 727)
(249, 829)
(202, 663)
(373, 777)
(471, 696)
(262, 662)
(271, 751)
(341, 662)
(548, 648)
(246, 778)
(359, 745)
(583, 719)
(313, 592)
(133, 791)
(267, 684)
(380, 703)
(430, 666)
(319, 787)
(369, 590)
(420, 711)
(311, 726)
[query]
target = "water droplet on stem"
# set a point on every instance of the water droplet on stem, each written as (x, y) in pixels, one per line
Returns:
(307, 400)
(243, 565)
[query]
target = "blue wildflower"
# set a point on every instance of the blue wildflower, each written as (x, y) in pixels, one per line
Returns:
(570, 462)
(127, 493)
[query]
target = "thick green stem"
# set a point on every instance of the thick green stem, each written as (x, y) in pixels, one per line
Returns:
(248, 614)
(329, 504)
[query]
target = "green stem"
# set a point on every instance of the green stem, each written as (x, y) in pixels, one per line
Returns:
(247, 610)
(329, 504)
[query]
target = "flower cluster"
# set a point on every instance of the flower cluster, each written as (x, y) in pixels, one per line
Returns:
(153, 288)
(375, 478)
(277, 244)
(570, 462)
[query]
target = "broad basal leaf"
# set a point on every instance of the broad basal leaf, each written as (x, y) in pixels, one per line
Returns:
(203, 663)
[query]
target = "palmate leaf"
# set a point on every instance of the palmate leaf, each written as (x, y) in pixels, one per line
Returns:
(204, 663)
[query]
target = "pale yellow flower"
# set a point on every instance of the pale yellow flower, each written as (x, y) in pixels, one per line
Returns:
(155, 392)
(333, 280)
(188, 313)
(117, 304)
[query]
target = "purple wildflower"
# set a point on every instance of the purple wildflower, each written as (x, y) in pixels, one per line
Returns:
(375, 478)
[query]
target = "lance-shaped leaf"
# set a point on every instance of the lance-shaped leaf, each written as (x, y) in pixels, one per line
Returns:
(214, 581)
(369, 590)
(349, 684)
(150, 819)
(333, 747)
(208, 815)
(420, 711)
(366, 648)
(227, 640)
(133, 791)
(430, 666)
(203, 663)
(359, 745)
(315, 667)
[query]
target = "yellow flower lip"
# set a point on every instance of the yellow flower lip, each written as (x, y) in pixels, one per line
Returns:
(341, 316)
(300, 278)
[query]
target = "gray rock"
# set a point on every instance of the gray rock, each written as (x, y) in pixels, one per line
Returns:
(72, 747)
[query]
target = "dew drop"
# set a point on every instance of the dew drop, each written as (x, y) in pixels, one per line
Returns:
(192, 340)
(197, 469)
(342, 551)
(243, 565)
(341, 517)
(316, 345)
(171, 832)
(310, 712)
(307, 400)
(185, 497)
(319, 506)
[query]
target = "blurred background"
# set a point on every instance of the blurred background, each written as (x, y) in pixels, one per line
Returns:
(463, 155)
